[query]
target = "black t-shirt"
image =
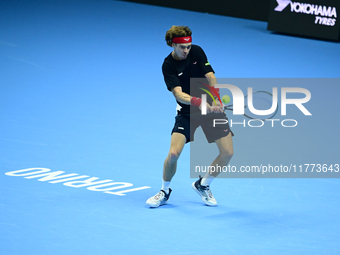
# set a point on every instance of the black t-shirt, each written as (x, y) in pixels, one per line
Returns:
(178, 72)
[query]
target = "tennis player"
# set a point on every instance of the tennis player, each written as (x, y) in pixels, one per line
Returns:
(184, 62)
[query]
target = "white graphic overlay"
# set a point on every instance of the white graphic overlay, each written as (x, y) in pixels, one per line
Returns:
(282, 5)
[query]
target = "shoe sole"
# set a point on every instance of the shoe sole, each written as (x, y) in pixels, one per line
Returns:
(155, 206)
(199, 193)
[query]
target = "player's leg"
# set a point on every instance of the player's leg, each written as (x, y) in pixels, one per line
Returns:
(202, 186)
(181, 134)
(222, 136)
(178, 141)
(226, 150)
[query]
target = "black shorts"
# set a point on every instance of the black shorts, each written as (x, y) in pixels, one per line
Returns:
(214, 126)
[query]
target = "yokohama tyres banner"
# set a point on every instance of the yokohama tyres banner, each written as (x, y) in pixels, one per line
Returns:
(311, 18)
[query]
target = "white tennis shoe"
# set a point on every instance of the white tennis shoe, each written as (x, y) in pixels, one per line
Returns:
(161, 198)
(204, 192)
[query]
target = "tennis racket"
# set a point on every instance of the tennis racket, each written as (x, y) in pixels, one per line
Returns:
(262, 100)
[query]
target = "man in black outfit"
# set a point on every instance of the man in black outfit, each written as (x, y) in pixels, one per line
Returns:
(184, 62)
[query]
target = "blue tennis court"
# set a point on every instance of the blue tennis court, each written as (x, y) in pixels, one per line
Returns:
(85, 128)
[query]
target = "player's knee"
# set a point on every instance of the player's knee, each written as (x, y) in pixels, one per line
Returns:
(173, 156)
(227, 154)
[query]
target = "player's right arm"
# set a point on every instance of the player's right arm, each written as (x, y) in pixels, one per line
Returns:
(181, 96)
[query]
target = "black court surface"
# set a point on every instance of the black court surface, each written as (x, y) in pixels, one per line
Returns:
(85, 127)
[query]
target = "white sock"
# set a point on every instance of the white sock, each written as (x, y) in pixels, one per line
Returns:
(207, 179)
(166, 186)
